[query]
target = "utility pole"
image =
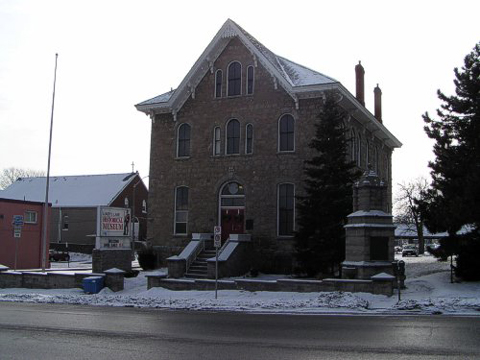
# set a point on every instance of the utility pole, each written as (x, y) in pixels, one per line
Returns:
(45, 208)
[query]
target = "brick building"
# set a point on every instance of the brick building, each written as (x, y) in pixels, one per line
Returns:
(22, 247)
(228, 146)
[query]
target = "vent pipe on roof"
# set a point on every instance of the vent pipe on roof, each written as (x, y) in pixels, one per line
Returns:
(360, 83)
(378, 103)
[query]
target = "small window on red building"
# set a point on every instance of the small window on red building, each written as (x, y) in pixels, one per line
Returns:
(30, 217)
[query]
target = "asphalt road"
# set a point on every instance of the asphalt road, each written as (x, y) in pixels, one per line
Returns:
(39, 331)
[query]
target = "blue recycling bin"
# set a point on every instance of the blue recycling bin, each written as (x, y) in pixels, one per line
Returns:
(92, 284)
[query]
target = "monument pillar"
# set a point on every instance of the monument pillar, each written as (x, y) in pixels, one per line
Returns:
(370, 232)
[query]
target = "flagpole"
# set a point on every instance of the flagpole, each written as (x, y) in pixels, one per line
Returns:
(45, 205)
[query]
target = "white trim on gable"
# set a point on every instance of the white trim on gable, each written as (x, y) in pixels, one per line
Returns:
(285, 74)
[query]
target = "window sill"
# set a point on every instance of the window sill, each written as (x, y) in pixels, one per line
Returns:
(285, 237)
(182, 158)
(285, 152)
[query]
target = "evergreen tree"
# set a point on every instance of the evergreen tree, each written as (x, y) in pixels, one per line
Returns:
(327, 199)
(454, 196)
(453, 199)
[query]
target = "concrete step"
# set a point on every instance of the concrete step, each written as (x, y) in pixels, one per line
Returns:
(196, 275)
(196, 267)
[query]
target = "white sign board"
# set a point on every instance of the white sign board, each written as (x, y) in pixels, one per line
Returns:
(114, 243)
(114, 221)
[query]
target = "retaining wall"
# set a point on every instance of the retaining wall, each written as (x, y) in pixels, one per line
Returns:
(382, 285)
(114, 279)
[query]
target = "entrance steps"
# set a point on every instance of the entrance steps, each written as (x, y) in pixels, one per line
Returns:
(198, 268)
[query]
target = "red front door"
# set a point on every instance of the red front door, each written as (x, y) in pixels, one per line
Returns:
(232, 222)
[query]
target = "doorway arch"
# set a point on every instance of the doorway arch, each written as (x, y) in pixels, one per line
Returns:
(232, 209)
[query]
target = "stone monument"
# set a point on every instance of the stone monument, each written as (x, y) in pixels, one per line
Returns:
(370, 233)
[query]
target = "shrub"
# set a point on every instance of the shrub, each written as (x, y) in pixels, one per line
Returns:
(467, 258)
(147, 258)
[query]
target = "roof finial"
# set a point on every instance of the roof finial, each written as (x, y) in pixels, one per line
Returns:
(133, 167)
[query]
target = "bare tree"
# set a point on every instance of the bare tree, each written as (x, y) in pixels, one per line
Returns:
(10, 175)
(406, 208)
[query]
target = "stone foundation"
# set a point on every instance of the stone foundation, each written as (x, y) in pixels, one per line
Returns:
(108, 259)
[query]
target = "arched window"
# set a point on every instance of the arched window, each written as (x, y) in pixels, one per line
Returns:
(367, 153)
(286, 209)
(250, 78)
(249, 139)
(286, 133)
(233, 137)
(217, 150)
(181, 210)
(352, 145)
(386, 168)
(359, 151)
(218, 83)
(183, 143)
(234, 79)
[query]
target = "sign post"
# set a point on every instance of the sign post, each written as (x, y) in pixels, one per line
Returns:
(217, 242)
(17, 234)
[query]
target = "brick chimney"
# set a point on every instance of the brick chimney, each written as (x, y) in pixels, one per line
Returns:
(378, 103)
(360, 83)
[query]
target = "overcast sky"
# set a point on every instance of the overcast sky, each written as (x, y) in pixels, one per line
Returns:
(115, 54)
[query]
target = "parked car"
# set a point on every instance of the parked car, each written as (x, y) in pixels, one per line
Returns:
(56, 255)
(409, 250)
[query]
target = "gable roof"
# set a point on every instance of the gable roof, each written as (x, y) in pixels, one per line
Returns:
(297, 80)
(71, 191)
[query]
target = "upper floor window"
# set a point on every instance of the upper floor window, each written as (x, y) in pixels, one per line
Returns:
(217, 141)
(144, 206)
(233, 137)
(358, 151)
(183, 145)
(286, 209)
(367, 154)
(250, 78)
(286, 133)
(30, 217)
(218, 83)
(181, 210)
(249, 139)
(234, 79)
(66, 223)
(352, 145)
(386, 168)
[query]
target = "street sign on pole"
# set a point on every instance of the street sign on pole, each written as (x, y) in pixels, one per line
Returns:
(17, 220)
(217, 242)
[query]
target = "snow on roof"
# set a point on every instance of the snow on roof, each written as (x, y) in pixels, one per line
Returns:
(70, 191)
(299, 75)
(163, 98)
(406, 231)
(294, 74)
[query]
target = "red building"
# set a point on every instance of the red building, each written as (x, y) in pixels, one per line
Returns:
(26, 241)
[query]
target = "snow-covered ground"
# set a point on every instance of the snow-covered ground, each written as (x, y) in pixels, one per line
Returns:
(429, 291)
